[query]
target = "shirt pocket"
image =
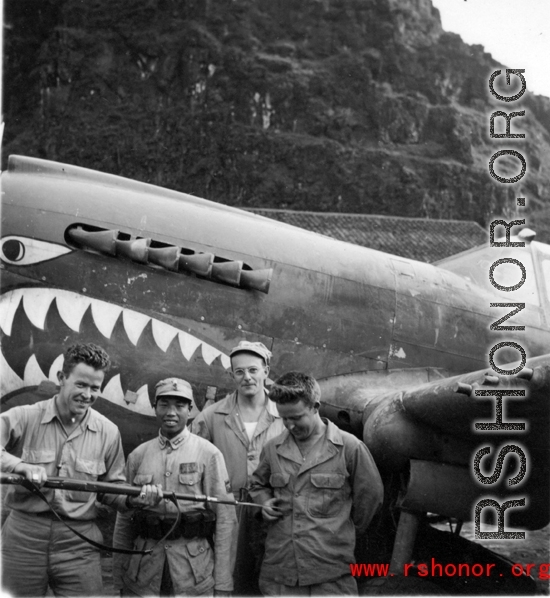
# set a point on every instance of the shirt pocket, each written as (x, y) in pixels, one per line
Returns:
(43, 457)
(279, 483)
(190, 480)
(38, 457)
(327, 491)
(200, 559)
(86, 469)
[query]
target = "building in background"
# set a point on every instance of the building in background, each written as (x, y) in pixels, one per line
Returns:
(419, 239)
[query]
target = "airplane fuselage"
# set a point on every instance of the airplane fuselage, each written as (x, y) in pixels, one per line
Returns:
(331, 308)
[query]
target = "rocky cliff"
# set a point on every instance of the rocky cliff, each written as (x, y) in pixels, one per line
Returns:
(330, 105)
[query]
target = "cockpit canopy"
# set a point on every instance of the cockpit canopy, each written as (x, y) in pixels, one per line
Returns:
(531, 262)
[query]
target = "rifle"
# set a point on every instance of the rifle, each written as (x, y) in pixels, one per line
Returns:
(110, 488)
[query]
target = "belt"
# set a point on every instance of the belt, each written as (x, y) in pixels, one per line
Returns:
(53, 517)
(195, 524)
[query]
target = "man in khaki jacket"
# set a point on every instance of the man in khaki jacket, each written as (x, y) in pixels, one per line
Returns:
(320, 487)
(239, 426)
(197, 558)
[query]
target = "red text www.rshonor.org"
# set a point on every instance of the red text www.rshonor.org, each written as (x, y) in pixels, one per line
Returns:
(435, 569)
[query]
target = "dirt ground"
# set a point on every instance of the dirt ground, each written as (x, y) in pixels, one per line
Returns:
(534, 549)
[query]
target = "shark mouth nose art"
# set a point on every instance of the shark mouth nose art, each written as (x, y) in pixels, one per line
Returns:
(36, 324)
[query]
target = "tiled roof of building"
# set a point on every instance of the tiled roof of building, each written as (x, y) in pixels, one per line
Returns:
(416, 238)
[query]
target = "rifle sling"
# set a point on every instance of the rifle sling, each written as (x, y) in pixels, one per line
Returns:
(171, 497)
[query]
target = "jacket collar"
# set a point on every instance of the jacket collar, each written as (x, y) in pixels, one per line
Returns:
(51, 412)
(286, 447)
(230, 404)
(175, 442)
(231, 410)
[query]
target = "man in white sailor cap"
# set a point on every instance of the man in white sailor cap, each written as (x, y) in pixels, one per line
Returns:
(197, 557)
(239, 426)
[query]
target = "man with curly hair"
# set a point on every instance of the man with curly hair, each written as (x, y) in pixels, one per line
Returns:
(62, 436)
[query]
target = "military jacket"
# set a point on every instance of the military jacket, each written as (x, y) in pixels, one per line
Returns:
(186, 464)
(93, 451)
(326, 498)
(221, 424)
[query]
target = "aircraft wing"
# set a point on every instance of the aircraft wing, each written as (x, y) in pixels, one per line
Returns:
(428, 432)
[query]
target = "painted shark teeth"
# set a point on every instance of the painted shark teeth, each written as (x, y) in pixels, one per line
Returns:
(188, 344)
(9, 302)
(55, 367)
(209, 353)
(72, 307)
(113, 390)
(105, 316)
(33, 372)
(9, 380)
(143, 405)
(163, 334)
(134, 323)
(37, 304)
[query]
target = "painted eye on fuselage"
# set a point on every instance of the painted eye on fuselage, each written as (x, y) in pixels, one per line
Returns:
(24, 251)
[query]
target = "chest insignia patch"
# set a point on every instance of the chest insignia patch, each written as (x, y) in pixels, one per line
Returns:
(189, 467)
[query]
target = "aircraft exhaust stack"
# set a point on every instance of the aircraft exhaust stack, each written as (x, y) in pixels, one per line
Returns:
(171, 257)
(256, 280)
(102, 240)
(525, 374)
(137, 250)
(229, 272)
(198, 263)
(166, 257)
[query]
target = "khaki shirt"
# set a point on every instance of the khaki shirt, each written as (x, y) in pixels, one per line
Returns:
(221, 424)
(327, 497)
(185, 464)
(93, 451)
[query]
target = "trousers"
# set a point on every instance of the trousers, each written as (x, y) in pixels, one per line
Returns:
(38, 552)
(345, 586)
(250, 551)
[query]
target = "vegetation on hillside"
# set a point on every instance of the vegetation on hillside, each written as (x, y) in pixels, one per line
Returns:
(330, 105)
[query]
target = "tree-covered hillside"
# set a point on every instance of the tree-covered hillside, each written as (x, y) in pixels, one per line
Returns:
(331, 105)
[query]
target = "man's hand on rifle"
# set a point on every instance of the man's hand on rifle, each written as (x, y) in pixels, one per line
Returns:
(34, 473)
(149, 496)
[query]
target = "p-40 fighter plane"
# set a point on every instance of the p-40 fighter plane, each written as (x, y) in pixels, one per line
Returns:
(167, 283)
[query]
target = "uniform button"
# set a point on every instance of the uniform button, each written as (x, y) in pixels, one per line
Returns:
(166, 547)
(169, 450)
(168, 474)
(201, 550)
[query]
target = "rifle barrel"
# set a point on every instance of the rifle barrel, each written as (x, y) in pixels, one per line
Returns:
(110, 488)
